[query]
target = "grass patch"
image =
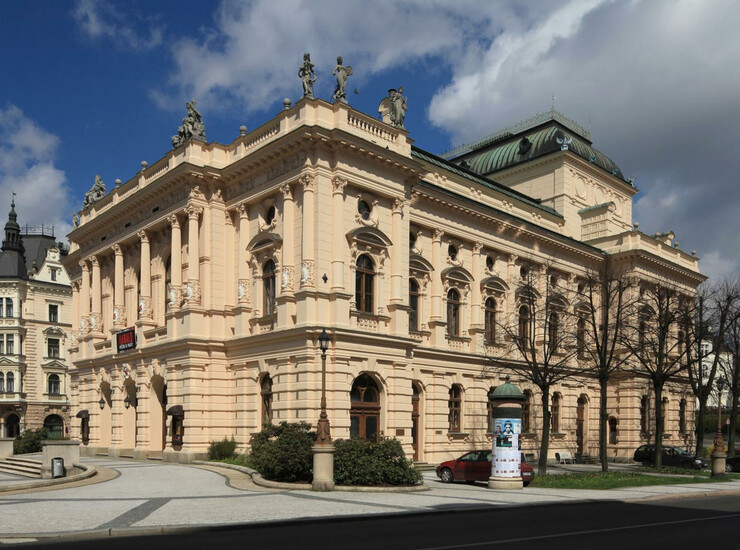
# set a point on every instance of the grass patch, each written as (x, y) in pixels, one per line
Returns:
(240, 460)
(611, 480)
(671, 470)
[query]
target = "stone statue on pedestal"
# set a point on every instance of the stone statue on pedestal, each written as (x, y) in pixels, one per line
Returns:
(192, 126)
(96, 192)
(342, 73)
(308, 76)
(393, 108)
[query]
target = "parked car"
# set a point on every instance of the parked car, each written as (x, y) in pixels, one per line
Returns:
(671, 456)
(476, 466)
(733, 464)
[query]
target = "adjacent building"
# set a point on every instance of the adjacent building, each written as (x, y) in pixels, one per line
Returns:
(35, 325)
(200, 286)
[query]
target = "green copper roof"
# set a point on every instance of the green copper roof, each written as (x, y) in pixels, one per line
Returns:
(534, 144)
(507, 391)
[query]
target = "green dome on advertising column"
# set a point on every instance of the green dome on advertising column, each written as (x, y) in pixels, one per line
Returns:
(507, 391)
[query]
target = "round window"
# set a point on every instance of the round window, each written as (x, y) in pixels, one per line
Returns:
(270, 215)
(489, 263)
(452, 252)
(364, 209)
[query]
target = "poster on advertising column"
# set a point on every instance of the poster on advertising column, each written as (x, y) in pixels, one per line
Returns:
(506, 457)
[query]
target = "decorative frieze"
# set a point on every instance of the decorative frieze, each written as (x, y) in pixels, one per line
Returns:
(307, 272)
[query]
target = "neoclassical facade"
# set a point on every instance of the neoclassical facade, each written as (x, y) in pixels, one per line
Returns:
(225, 262)
(35, 323)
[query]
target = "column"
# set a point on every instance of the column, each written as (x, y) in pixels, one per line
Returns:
(397, 250)
(308, 261)
(288, 257)
(75, 313)
(192, 291)
(475, 321)
(243, 290)
(85, 298)
(338, 242)
(145, 288)
(96, 317)
(436, 276)
(119, 307)
(175, 290)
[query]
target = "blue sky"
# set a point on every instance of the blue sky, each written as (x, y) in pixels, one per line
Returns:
(95, 87)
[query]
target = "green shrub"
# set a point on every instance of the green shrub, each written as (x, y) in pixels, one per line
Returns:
(30, 441)
(283, 452)
(221, 450)
(362, 462)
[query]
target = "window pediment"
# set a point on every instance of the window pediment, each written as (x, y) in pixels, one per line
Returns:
(494, 284)
(54, 332)
(420, 264)
(264, 241)
(528, 292)
(369, 236)
(54, 365)
(457, 274)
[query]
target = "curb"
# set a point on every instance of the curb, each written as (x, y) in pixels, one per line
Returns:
(262, 482)
(89, 471)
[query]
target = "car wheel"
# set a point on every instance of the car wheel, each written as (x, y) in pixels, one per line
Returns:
(647, 463)
(687, 465)
(729, 468)
(446, 475)
(527, 483)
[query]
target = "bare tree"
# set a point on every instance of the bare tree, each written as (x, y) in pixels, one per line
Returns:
(599, 331)
(541, 344)
(651, 338)
(705, 328)
(732, 374)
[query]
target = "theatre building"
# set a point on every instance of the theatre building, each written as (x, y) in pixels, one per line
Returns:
(200, 286)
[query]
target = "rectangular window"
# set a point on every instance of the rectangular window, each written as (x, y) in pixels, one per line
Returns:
(9, 347)
(2, 344)
(53, 313)
(8, 307)
(53, 348)
(53, 274)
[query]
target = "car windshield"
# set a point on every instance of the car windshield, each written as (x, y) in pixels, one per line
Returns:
(681, 451)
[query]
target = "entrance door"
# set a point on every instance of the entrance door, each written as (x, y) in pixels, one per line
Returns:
(364, 413)
(13, 426)
(580, 416)
(415, 421)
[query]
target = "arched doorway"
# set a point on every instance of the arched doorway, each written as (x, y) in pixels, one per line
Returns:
(364, 412)
(415, 418)
(157, 414)
(130, 404)
(13, 425)
(581, 424)
(55, 425)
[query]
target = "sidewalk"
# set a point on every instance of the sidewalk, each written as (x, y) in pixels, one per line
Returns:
(150, 497)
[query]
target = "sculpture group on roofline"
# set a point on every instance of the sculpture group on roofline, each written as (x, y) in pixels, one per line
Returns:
(96, 192)
(192, 127)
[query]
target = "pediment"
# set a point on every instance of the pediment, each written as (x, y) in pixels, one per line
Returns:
(369, 236)
(263, 241)
(54, 364)
(495, 284)
(419, 263)
(457, 273)
(7, 362)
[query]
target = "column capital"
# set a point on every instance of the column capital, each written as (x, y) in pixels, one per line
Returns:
(286, 192)
(242, 210)
(477, 247)
(143, 236)
(437, 235)
(338, 184)
(174, 221)
(84, 266)
(308, 181)
(398, 205)
(193, 211)
(117, 250)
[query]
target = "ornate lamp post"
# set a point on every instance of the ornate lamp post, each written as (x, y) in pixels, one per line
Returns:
(719, 456)
(323, 449)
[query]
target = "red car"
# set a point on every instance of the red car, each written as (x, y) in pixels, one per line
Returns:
(476, 466)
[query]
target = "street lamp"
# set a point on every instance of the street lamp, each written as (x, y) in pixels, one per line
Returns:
(323, 449)
(719, 456)
(127, 402)
(101, 403)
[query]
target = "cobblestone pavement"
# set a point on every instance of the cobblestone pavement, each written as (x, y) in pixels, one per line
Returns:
(152, 495)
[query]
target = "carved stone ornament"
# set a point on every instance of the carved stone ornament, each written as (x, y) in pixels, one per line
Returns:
(192, 127)
(119, 314)
(338, 184)
(192, 292)
(96, 322)
(145, 307)
(242, 293)
(308, 181)
(286, 278)
(96, 192)
(307, 272)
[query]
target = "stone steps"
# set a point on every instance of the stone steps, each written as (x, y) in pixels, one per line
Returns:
(27, 467)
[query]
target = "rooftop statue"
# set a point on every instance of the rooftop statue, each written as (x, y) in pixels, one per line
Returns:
(75, 220)
(393, 108)
(308, 76)
(192, 126)
(342, 73)
(96, 192)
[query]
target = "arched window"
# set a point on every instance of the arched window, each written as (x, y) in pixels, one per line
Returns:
(413, 305)
(555, 413)
(266, 395)
(527, 412)
(455, 408)
(490, 320)
(524, 327)
(54, 387)
(612, 430)
(364, 278)
(553, 329)
(644, 411)
(453, 312)
(55, 425)
(268, 284)
(364, 412)
(10, 383)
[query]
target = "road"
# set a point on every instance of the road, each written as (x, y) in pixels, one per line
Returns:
(603, 525)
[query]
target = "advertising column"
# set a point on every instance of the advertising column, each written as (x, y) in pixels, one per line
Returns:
(507, 428)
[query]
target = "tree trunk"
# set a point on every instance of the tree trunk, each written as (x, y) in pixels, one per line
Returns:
(603, 424)
(659, 428)
(733, 424)
(545, 441)
(700, 412)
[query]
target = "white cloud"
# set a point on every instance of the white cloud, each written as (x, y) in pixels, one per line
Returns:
(27, 168)
(100, 19)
